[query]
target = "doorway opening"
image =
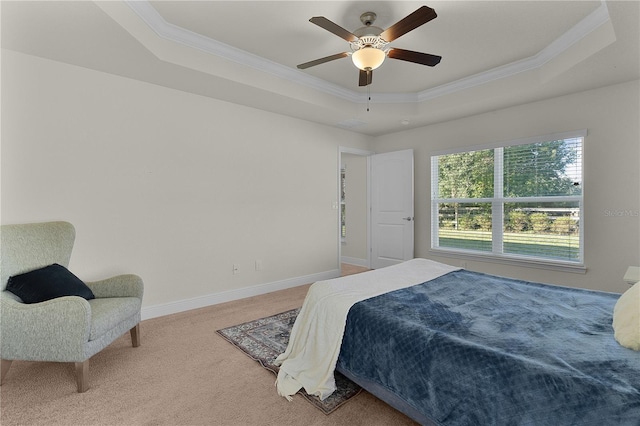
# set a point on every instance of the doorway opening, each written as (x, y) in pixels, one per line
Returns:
(376, 208)
(354, 242)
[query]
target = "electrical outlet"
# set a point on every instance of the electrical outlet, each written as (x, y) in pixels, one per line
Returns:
(236, 268)
(258, 265)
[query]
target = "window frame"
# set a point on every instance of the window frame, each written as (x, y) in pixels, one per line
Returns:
(498, 208)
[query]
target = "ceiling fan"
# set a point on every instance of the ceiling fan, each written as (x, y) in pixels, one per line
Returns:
(370, 44)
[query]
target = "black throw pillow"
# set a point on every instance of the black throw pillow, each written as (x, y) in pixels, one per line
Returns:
(47, 283)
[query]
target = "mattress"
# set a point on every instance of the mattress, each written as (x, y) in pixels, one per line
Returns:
(474, 349)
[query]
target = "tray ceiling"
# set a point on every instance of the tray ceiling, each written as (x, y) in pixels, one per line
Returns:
(495, 54)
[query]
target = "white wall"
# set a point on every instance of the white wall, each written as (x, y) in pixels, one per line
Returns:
(168, 185)
(611, 184)
(177, 187)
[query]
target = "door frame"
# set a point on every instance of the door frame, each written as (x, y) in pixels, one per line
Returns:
(363, 153)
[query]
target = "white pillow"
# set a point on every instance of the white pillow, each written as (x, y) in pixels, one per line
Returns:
(626, 318)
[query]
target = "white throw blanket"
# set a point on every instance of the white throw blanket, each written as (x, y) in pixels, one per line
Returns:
(311, 356)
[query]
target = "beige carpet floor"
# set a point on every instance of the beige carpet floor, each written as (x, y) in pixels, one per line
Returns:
(184, 373)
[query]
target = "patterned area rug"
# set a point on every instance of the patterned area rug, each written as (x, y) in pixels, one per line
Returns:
(266, 338)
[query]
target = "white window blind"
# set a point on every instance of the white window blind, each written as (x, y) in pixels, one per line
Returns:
(522, 199)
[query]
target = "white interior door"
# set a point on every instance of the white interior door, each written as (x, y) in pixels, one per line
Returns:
(392, 223)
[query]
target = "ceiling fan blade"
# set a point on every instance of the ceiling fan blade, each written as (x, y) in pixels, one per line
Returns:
(416, 57)
(323, 60)
(323, 22)
(408, 23)
(365, 78)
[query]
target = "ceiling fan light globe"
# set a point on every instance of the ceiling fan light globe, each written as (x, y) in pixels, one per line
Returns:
(368, 58)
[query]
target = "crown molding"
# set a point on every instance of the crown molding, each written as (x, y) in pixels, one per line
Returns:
(188, 38)
(152, 18)
(583, 28)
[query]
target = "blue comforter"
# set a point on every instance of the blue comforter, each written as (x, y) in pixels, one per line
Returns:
(475, 349)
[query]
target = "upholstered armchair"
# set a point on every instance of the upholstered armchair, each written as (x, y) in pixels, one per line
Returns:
(67, 328)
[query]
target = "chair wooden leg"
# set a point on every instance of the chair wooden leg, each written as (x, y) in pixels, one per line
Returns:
(135, 336)
(4, 368)
(82, 376)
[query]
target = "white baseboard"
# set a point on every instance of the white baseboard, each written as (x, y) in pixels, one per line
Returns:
(149, 312)
(355, 261)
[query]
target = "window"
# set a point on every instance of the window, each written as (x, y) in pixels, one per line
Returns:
(520, 201)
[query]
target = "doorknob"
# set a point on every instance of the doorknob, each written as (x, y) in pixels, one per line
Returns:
(408, 218)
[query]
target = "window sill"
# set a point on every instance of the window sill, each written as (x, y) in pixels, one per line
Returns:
(511, 260)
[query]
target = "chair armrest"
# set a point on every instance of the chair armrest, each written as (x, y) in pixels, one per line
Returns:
(54, 330)
(127, 285)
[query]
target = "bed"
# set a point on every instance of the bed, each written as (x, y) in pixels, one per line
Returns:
(465, 348)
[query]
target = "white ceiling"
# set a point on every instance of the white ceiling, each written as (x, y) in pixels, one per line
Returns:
(495, 54)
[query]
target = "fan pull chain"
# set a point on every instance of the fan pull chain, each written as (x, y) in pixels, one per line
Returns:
(368, 96)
